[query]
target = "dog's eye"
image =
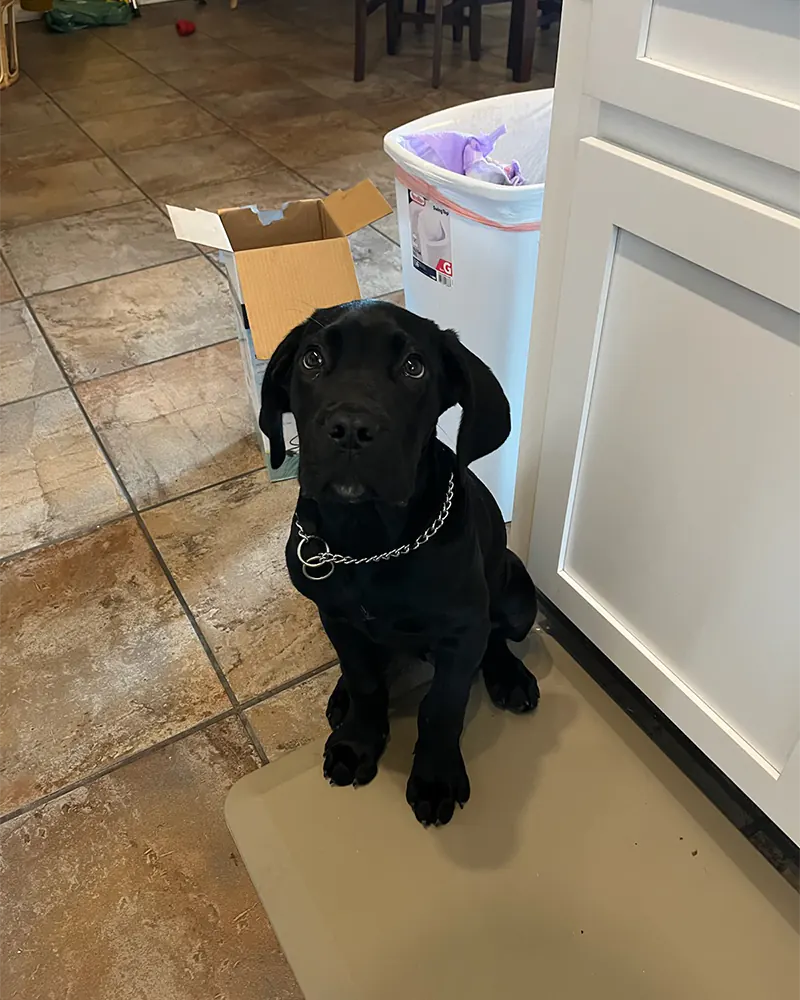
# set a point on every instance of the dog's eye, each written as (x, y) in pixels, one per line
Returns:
(312, 359)
(413, 366)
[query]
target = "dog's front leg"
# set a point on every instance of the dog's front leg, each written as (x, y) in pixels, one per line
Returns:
(438, 779)
(355, 746)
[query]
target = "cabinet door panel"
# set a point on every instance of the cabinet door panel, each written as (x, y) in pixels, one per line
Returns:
(728, 70)
(666, 520)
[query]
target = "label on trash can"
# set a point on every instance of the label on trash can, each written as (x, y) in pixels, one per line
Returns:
(430, 239)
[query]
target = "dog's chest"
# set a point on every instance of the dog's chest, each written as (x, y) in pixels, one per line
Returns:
(387, 608)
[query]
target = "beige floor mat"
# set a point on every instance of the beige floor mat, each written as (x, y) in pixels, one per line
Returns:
(585, 866)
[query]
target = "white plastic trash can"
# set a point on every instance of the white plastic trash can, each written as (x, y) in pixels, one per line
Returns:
(470, 248)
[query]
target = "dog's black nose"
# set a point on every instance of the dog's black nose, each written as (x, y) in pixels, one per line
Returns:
(351, 431)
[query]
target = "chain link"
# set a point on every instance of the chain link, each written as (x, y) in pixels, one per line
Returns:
(332, 559)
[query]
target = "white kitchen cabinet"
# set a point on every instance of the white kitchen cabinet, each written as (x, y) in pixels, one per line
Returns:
(658, 496)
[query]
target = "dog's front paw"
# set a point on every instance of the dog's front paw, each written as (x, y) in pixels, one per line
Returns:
(437, 783)
(510, 684)
(352, 754)
(338, 705)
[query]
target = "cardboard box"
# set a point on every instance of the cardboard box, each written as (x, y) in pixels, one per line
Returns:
(281, 266)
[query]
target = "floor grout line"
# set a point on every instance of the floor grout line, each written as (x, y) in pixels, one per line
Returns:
(116, 765)
(267, 695)
(202, 489)
(145, 531)
(252, 735)
(153, 361)
(71, 537)
(229, 713)
(121, 274)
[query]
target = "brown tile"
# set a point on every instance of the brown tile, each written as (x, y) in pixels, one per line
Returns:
(25, 112)
(122, 322)
(176, 425)
(176, 166)
(37, 43)
(378, 267)
(297, 51)
(393, 113)
(390, 227)
(248, 22)
(185, 53)
(53, 74)
(390, 97)
(83, 103)
(477, 80)
(225, 548)
(294, 717)
(155, 38)
(118, 666)
(52, 255)
(268, 190)
(46, 146)
(145, 127)
(26, 364)
(55, 192)
(280, 46)
(239, 77)
(55, 481)
(345, 171)
(131, 887)
(255, 111)
(8, 287)
(318, 138)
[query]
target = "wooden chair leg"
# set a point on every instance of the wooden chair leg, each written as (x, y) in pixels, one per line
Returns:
(393, 21)
(9, 58)
(438, 40)
(512, 55)
(522, 68)
(458, 25)
(475, 25)
(360, 68)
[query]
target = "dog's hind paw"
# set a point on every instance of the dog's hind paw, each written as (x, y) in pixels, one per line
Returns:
(436, 787)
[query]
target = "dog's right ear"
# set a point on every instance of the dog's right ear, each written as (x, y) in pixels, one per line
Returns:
(275, 394)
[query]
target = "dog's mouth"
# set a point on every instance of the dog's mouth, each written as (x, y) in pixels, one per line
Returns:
(349, 492)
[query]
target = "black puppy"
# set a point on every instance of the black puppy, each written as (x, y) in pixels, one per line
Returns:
(398, 544)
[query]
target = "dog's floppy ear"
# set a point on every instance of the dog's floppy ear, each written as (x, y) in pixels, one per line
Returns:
(486, 418)
(275, 394)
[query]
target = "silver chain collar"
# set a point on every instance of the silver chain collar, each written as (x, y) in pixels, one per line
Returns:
(330, 560)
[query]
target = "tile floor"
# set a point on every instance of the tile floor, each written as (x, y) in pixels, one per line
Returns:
(152, 650)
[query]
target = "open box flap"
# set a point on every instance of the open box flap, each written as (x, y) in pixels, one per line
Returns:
(195, 225)
(282, 286)
(358, 207)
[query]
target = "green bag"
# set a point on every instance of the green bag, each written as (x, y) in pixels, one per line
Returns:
(74, 15)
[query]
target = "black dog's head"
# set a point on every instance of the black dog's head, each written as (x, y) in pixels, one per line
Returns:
(366, 383)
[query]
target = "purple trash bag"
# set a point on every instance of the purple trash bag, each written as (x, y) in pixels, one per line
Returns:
(467, 155)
